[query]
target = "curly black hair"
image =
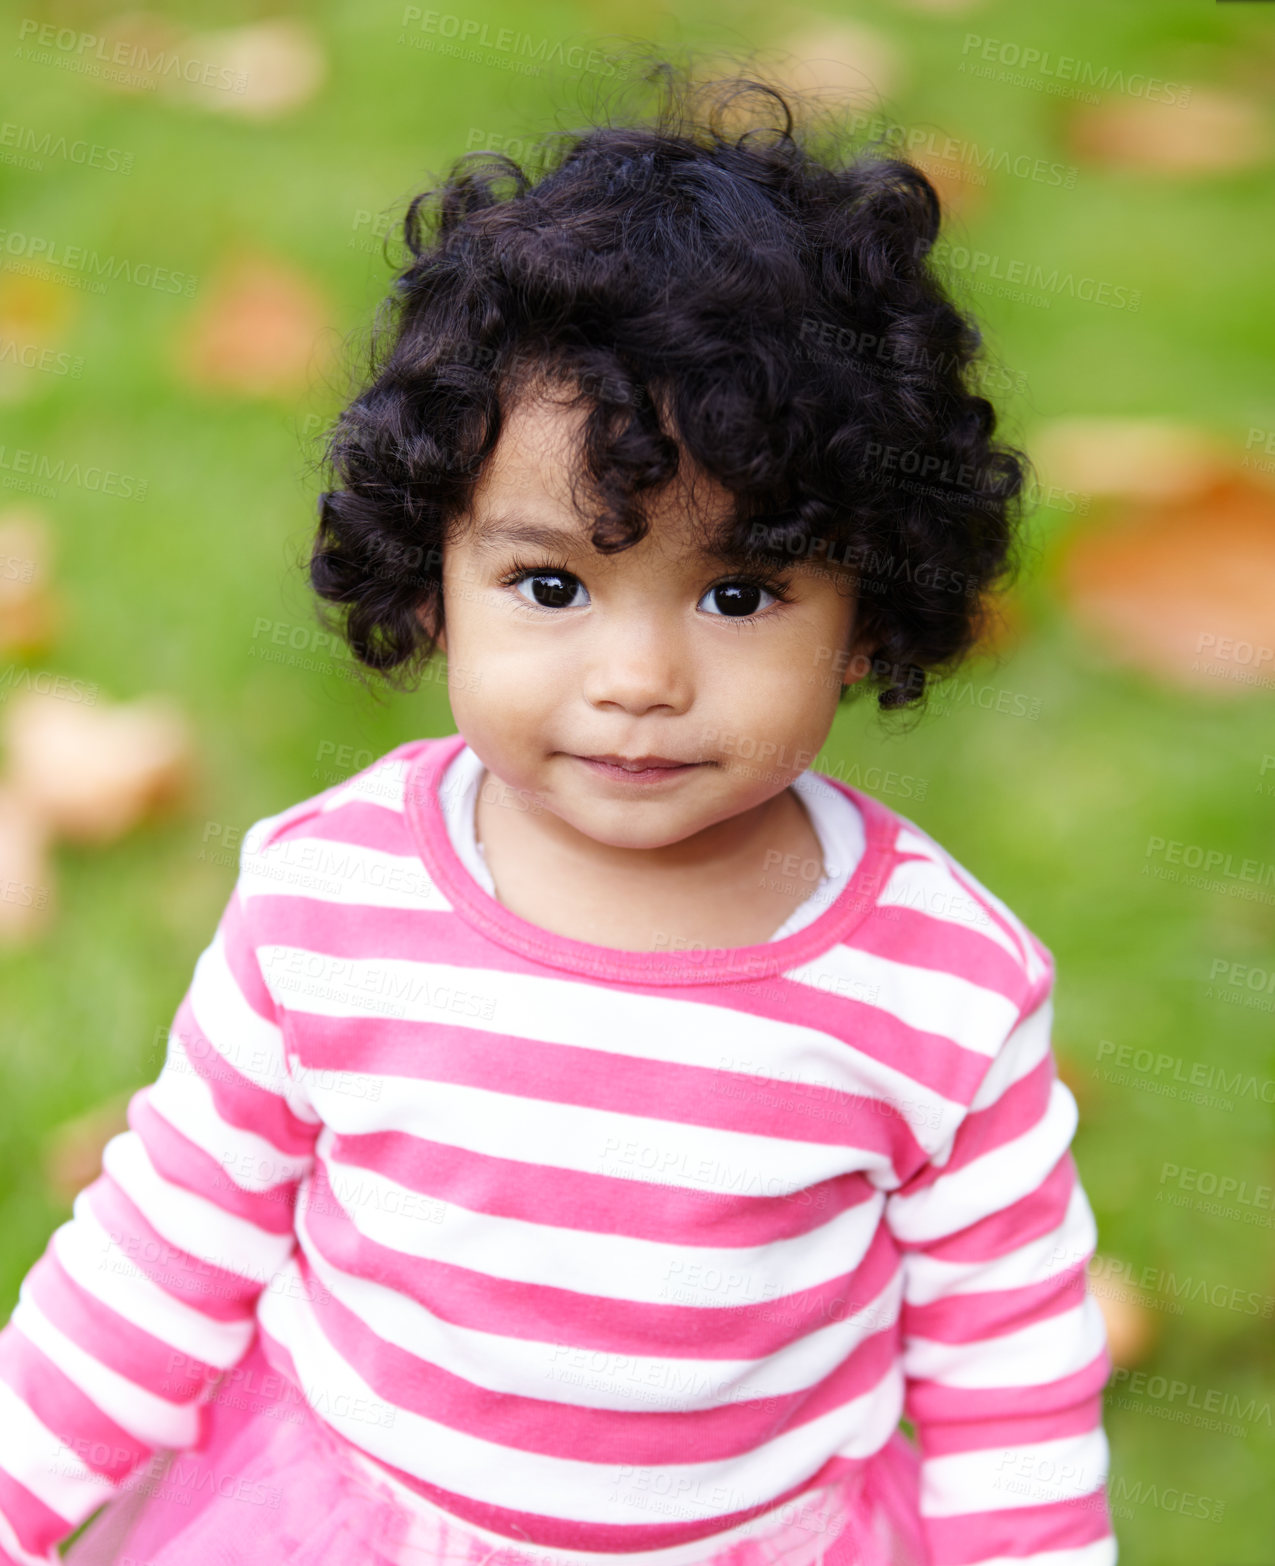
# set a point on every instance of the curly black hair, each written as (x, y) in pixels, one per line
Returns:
(704, 279)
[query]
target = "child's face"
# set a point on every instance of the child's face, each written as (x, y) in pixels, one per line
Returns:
(642, 659)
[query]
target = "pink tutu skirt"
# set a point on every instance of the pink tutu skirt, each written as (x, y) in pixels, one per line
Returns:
(272, 1484)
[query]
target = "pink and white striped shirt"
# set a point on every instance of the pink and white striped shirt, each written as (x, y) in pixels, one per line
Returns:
(544, 1228)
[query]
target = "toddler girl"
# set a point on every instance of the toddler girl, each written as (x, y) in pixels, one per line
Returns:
(589, 1134)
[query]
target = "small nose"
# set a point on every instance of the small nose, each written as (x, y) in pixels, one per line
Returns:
(638, 663)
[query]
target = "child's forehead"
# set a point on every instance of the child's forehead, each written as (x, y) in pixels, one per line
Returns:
(531, 494)
(494, 531)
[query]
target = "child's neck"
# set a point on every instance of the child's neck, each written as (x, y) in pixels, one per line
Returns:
(719, 893)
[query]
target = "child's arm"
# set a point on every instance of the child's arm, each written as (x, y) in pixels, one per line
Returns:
(1005, 1352)
(147, 1294)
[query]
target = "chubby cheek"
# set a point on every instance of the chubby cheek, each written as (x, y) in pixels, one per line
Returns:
(777, 705)
(499, 696)
(502, 695)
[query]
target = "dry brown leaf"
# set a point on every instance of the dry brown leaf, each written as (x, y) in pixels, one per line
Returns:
(93, 772)
(1132, 1328)
(26, 872)
(30, 612)
(1214, 131)
(847, 61)
(1186, 591)
(260, 72)
(1132, 459)
(260, 331)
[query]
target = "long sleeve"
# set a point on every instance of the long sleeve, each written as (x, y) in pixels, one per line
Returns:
(147, 1295)
(1004, 1350)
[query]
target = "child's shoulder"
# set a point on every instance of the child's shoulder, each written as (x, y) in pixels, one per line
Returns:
(382, 782)
(918, 874)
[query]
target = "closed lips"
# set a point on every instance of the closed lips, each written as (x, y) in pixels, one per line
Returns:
(640, 763)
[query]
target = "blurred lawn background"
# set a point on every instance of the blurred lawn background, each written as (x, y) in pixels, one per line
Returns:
(1054, 812)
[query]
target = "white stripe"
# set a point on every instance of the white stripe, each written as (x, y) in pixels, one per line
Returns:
(1028, 957)
(1038, 1473)
(929, 1279)
(970, 1015)
(591, 1492)
(588, 1140)
(588, 1378)
(43, 1463)
(347, 873)
(599, 1018)
(909, 839)
(248, 1042)
(261, 829)
(380, 783)
(152, 1420)
(1024, 951)
(990, 1183)
(913, 840)
(929, 888)
(266, 827)
(9, 1541)
(420, 1542)
(185, 1100)
(1102, 1552)
(102, 1269)
(822, 1510)
(1046, 1351)
(193, 1223)
(1019, 1056)
(616, 1266)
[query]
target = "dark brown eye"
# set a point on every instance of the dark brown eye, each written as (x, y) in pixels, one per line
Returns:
(736, 600)
(550, 589)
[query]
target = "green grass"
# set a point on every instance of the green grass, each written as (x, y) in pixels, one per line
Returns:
(1053, 813)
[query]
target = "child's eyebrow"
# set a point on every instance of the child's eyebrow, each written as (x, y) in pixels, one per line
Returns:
(497, 532)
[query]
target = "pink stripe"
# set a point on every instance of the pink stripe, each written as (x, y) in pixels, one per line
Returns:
(969, 1407)
(556, 1426)
(241, 957)
(899, 932)
(933, 1059)
(1010, 1434)
(91, 1436)
(1011, 928)
(304, 810)
(1022, 1530)
(511, 1308)
(567, 1533)
(596, 1079)
(575, 1199)
(116, 1342)
(1038, 1213)
(37, 1526)
(971, 1318)
(215, 1291)
(359, 823)
(1018, 1110)
(191, 1167)
(238, 1099)
(1022, 1106)
(298, 919)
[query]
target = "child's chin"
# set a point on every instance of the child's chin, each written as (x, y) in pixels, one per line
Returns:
(625, 825)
